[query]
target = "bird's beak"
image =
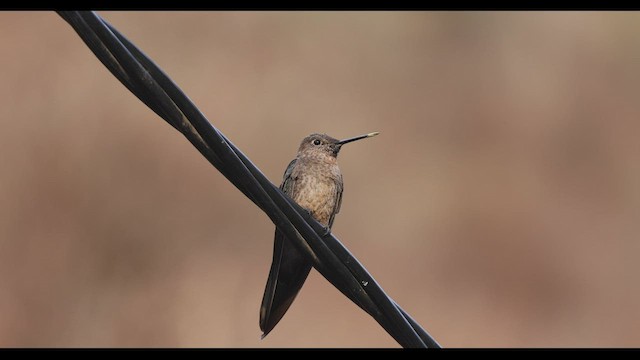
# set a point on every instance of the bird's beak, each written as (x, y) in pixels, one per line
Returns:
(360, 137)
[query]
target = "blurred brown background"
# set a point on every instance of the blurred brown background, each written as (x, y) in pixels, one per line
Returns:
(500, 205)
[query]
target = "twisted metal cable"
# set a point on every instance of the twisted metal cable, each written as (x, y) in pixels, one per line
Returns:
(153, 87)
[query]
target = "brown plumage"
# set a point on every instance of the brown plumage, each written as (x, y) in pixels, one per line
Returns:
(313, 180)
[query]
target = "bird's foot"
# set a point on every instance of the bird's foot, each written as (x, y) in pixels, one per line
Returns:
(327, 231)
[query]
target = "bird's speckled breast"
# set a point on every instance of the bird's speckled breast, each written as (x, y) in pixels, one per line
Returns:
(315, 189)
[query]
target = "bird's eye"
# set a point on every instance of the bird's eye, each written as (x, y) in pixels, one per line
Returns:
(316, 142)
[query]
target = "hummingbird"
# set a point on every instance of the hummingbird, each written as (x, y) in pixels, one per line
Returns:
(314, 181)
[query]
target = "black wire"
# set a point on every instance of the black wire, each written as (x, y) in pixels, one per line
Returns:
(143, 78)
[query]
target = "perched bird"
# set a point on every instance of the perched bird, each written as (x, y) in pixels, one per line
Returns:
(313, 180)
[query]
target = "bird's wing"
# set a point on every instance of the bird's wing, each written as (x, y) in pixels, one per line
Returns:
(338, 203)
(289, 270)
(287, 180)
